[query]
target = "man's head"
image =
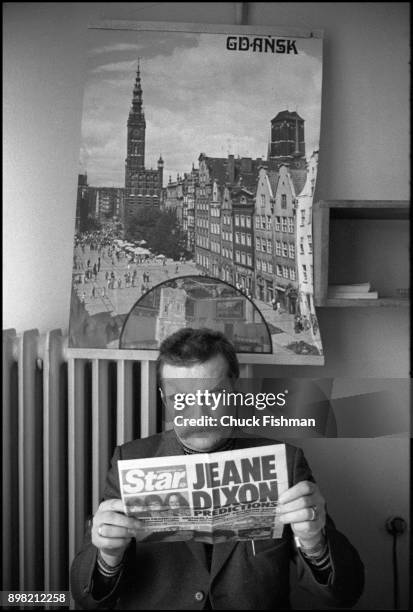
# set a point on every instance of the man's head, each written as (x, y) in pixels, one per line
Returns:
(189, 346)
(191, 361)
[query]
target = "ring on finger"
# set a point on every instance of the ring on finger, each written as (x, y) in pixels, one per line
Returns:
(314, 513)
(100, 530)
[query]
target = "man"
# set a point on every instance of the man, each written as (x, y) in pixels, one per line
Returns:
(116, 569)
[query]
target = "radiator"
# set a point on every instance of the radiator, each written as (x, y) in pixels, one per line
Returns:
(64, 410)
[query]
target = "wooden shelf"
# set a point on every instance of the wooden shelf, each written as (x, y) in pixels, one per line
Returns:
(366, 209)
(323, 211)
(379, 303)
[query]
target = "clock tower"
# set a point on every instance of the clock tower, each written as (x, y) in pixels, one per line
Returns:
(143, 186)
(136, 127)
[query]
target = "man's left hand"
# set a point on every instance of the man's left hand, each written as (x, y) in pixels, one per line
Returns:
(303, 507)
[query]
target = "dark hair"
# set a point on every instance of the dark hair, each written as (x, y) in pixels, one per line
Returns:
(150, 499)
(189, 346)
(182, 501)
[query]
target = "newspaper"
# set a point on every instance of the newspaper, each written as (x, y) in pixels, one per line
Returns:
(210, 498)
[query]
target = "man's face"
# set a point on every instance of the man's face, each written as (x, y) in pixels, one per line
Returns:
(212, 376)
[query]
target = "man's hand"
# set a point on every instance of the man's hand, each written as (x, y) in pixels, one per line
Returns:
(303, 507)
(112, 530)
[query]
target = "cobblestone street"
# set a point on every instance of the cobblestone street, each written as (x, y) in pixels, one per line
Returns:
(280, 340)
(98, 297)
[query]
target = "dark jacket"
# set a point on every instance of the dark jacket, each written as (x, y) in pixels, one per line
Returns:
(175, 576)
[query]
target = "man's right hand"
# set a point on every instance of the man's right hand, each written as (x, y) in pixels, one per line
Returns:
(112, 530)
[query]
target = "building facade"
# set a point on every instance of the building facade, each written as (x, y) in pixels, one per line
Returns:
(304, 241)
(275, 223)
(202, 223)
(227, 238)
(82, 202)
(214, 229)
(220, 180)
(243, 239)
(264, 235)
(284, 240)
(109, 205)
(191, 182)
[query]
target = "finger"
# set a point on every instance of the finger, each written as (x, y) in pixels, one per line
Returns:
(110, 531)
(305, 487)
(305, 501)
(307, 529)
(116, 505)
(300, 516)
(117, 519)
(110, 543)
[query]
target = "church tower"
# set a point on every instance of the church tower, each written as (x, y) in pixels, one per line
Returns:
(136, 126)
(143, 186)
(160, 170)
(287, 143)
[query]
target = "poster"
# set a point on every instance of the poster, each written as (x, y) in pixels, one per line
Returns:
(198, 163)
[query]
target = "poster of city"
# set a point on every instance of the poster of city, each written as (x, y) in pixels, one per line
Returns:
(198, 163)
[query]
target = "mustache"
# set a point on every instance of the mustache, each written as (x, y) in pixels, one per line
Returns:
(193, 431)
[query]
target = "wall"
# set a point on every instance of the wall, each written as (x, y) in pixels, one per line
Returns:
(365, 114)
(364, 153)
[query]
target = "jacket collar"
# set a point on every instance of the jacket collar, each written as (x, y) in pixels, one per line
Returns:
(169, 445)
